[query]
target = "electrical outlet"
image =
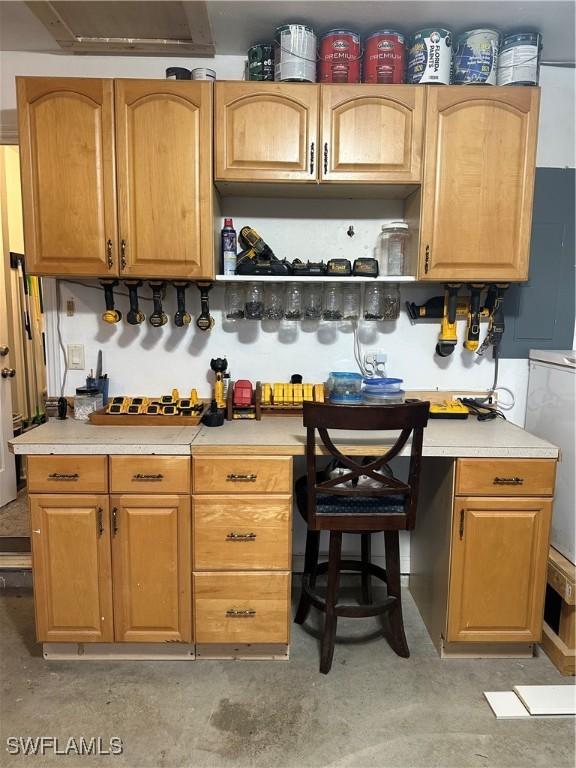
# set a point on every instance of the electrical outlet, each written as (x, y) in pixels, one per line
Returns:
(75, 356)
(375, 362)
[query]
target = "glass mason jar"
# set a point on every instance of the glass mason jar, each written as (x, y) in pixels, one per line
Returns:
(391, 301)
(293, 303)
(254, 306)
(351, 302)
(392, 245)
(313, 301)
(234, 301)
(332, 302)
(274, 301)
(373, 301)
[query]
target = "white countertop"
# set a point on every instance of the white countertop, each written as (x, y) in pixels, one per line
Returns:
(80, 437)
(279, 436)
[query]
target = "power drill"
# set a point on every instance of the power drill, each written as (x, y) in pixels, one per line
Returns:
(257, 258)
(447, 338)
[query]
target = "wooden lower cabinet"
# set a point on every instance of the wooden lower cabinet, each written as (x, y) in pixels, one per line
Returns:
(71, 567)
(151, 561)
(242, 607)
(498, 569)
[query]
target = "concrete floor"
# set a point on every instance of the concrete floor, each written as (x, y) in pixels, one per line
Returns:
(373, 709)
(14, 520)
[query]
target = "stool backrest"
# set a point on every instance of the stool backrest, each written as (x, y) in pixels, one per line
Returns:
(409, 419)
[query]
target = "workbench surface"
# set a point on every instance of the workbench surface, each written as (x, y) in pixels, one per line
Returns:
(278, 436)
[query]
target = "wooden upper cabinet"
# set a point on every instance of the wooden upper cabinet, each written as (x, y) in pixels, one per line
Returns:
(164, 161)
(151, 545)
(371, 133)
(66, 128)
(72, 571)
(478, 182)
(498, 569)
(266, 131)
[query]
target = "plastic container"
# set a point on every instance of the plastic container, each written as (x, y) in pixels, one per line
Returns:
(391, 398)
(332, 302)
(345, 388)
(234, 301)
(294, 302)
(392, 246)
(86, 401)
(254, 307)
(385, 386)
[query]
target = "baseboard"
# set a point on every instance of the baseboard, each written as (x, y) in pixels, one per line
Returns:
(118, 651)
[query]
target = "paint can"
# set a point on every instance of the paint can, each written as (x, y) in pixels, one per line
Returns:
(295, 53)
(519, 62)
(384, 57)
(340, 57)
(475, 57)
(430, 56)
(178, 73)
(261, 61)
(203, 73)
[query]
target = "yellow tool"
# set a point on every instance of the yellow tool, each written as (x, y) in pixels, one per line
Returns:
(169, 410)
(219, 366)
(153, 409)
(448, 338)
(111, 314)
(449, 409)
(170, 399)
(266, 394)
(319, 393)
(474, 313)
(307, 392)
(117, 405)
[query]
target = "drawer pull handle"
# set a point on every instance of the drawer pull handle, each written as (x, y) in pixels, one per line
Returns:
(240, 536)
(248, 478)
(99, 522)
(461, 524)
(508, 481)
(68, 476)
(234, 613)
(114, 521)
(147, 478)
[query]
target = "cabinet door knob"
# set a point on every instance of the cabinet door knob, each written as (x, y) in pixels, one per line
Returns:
(109, 258)
(461, 524)
(234, 613)
(427, 259)
(114, 521)
(4, 351)
(8, 373)
(123, 254)
(241, 478)
(99, 521)
(312, 158)
(326, 157)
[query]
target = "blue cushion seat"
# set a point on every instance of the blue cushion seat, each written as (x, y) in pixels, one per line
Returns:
(332, 504)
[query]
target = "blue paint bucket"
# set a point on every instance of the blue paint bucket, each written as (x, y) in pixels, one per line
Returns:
(519, 62)
(475, 58)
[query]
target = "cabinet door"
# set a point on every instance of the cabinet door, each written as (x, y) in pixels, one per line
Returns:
(478, 183)
(151, 566)
(164, 148)
(71, 567)
(66, 130)
(498, 569)
(266, 131)
(372, 133)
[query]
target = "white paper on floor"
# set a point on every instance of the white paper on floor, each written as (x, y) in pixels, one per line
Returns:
(548, 699)
(505, 704)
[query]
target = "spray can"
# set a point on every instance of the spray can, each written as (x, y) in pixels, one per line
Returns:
(229, 245)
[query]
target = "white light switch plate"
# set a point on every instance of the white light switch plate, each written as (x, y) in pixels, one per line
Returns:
(76, 357)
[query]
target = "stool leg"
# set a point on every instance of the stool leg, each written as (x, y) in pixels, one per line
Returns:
(330, 621)
(366, 544)
(310, 563)
(397, 639)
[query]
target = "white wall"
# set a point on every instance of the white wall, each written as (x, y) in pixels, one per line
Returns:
(556, 137)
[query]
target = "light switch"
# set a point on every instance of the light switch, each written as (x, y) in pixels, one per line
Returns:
(76, 357)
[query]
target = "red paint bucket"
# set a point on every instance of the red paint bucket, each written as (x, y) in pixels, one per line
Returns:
(384, 57)
(340, 57)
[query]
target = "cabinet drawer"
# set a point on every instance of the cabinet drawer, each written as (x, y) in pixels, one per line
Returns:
(505, 477)
(237, 474)
(241, 607)
(149, 474)
(242, 533)
(67, 474)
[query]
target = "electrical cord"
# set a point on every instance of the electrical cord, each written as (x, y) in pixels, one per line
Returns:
(99, 288)
(59, 333)
(482, 411)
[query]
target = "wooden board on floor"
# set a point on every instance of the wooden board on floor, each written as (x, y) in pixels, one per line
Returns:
(118, 651)
(253, 651)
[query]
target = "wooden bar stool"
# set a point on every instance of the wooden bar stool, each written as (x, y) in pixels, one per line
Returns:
(344, 505)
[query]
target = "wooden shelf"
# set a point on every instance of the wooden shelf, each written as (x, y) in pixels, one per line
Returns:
(311, 279)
